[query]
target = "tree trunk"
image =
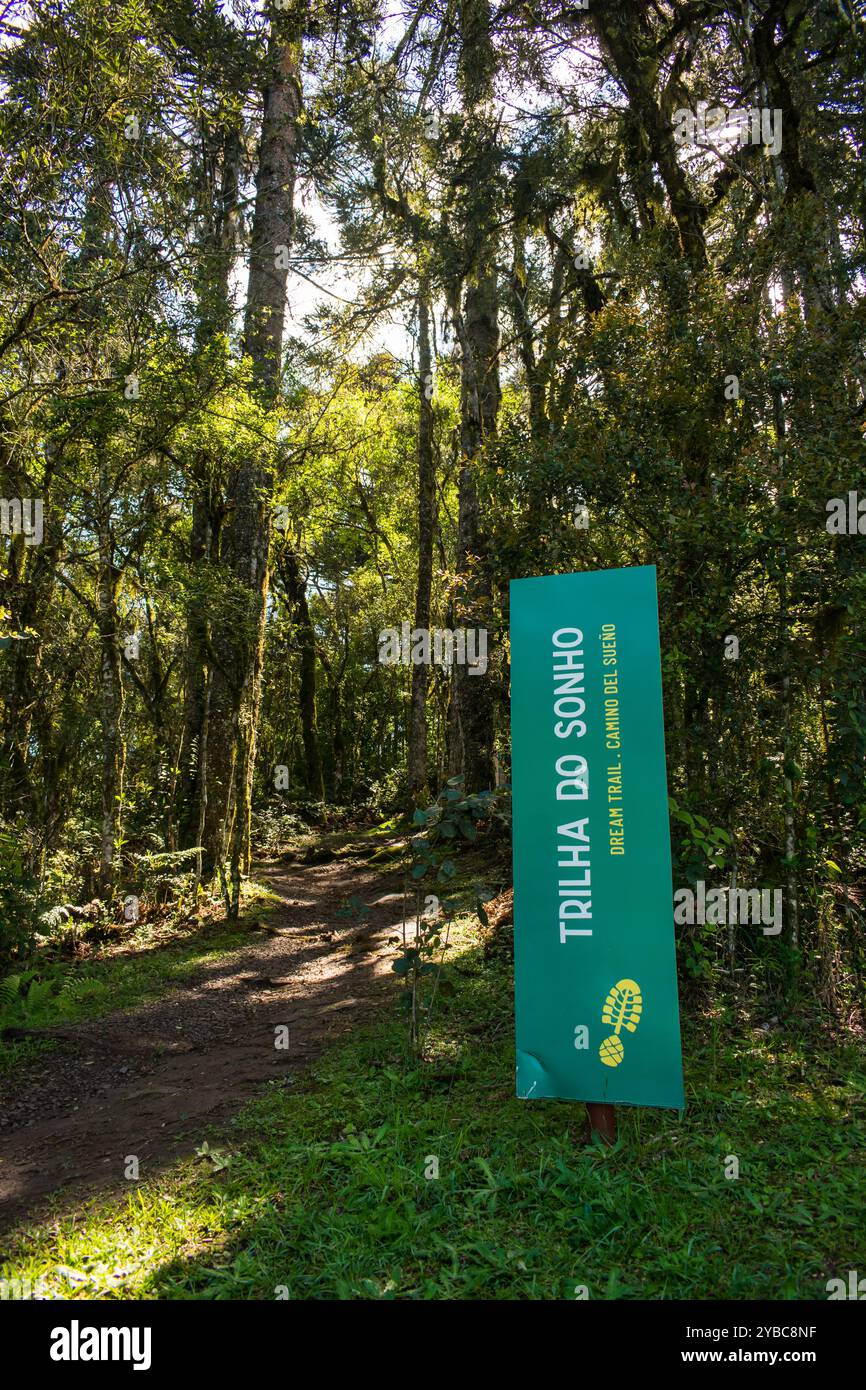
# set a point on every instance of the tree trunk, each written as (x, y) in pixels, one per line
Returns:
(296, 592)
(239, 643)
(426, 523)
(204, 547)
(479, 401)
(477, 326)
(627, 39)
(811, 233)
(525, 335)
(111, 694)
(218, 247)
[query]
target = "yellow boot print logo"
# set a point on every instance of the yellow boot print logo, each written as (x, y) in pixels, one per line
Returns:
(622, 1009)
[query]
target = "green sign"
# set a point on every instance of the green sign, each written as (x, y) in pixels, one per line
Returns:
(595, 969)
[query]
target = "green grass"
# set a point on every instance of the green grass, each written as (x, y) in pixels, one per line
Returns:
(17, 1054)
(325, 1195)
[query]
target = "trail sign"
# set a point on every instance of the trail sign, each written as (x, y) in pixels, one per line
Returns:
(595, 969)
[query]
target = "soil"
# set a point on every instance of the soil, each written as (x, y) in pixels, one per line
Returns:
(150, 1081)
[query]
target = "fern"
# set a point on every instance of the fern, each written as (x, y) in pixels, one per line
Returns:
(19, 993)
(174, 856)
(55, 916)
(9, 991)
(38, 995)
(81, 988)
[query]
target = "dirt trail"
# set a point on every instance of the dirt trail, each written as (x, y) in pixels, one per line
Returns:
(149, 1081)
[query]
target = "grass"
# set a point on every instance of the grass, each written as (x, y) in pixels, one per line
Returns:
(14, 1054)
(330, 1193)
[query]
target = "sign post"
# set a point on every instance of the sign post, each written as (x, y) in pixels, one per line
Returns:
(602, 1120)
(595, 967)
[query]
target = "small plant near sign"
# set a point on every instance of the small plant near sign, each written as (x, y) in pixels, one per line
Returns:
(354, 910)
(454, 817)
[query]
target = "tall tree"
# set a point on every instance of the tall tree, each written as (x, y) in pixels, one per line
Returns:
(417, 768)
(475, 309)
(238, 640)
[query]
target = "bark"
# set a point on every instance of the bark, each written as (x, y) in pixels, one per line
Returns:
(787, 702)
(272, 221)
(337, 740)
(217, 251)
(111, 693)
(525, 333)
(479, 403)
(27, 591)
(203, 792)
(204, 548)
(218, 242)
(296, 592)
(426, 524)
(477, 326)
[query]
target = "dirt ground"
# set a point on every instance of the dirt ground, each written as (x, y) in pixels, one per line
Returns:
(149, 1081)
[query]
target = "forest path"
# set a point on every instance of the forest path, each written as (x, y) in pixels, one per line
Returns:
(149, 1081)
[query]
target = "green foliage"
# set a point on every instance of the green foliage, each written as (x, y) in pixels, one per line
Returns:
(704, 847)
(49, 994)
(23, 997)
(19, 899)
(167, 875)
(275, 828)
(354, 909)
(454, 817)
